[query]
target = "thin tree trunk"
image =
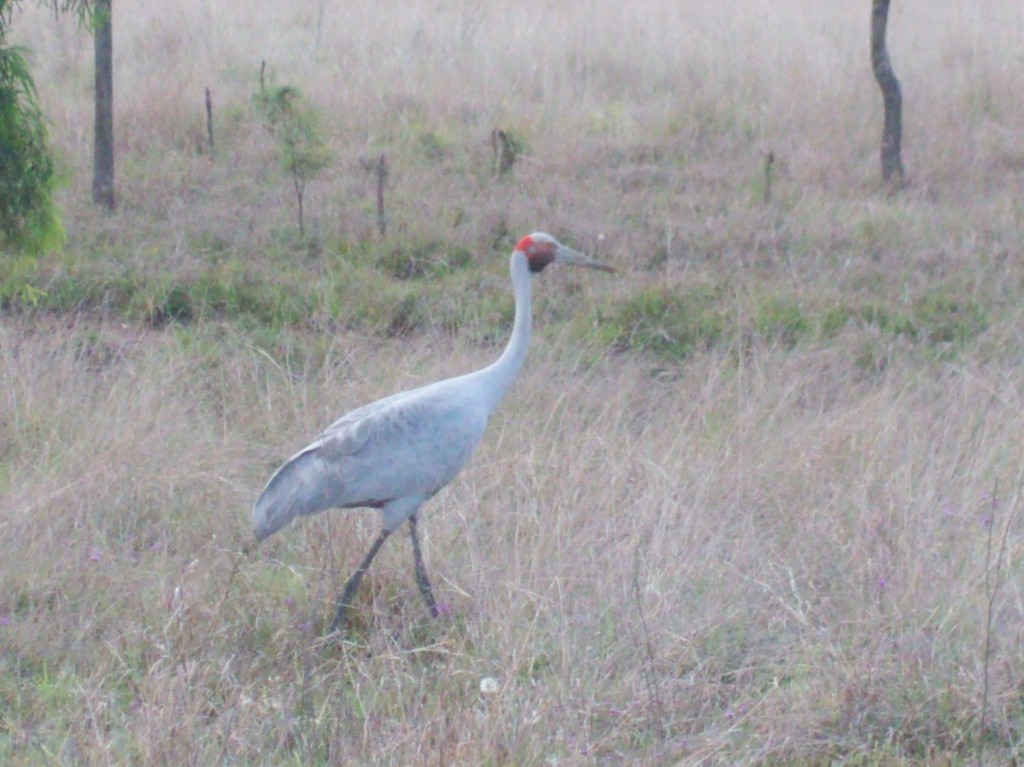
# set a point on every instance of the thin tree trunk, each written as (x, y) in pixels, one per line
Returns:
(209, 120)
(103, 146)
(300, 191)
(381, 169)
(892, 131)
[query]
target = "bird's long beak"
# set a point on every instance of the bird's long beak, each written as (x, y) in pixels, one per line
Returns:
(564, 255)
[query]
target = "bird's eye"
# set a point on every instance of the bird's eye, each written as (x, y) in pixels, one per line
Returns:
(540, 255)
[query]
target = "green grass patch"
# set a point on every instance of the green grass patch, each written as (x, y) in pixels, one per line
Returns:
(666, 323)
(404, 288)
(945, 318)
(782, 319)
(423, 259)
(673, 324)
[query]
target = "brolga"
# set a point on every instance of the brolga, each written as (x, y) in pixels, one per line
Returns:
(398, 452)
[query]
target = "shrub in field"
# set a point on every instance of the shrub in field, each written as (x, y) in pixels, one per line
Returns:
(293, 121)
(28, 214)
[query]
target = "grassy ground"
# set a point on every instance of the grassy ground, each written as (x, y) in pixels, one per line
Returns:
(755, 499)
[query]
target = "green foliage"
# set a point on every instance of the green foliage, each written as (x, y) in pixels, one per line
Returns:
(28, 215)
(223, 291)
(667, 323)
(675, 323)
(781, 319)
(937, 318)
(944, 318)
(213, 294)
(82, 8)
(424, 259)
(432, 146)
(295, 124)
(834, 319)
(377, 305)
(16, 283)
(888, 319)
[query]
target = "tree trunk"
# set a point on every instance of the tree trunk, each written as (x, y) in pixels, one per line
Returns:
(892, 131)
(103, 146)
(209, 120)
(381, 169)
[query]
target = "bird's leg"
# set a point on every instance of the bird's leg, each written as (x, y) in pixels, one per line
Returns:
(352, 585)
(421, 572)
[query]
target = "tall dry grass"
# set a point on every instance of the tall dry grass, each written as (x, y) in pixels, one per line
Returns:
(771, 553)
(807, 545)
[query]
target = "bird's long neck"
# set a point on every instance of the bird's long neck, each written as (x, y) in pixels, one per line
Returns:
(502, 372)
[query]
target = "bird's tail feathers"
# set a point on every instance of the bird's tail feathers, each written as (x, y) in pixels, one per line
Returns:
(304, 485)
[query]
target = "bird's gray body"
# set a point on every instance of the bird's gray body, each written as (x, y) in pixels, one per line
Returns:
(392, 455)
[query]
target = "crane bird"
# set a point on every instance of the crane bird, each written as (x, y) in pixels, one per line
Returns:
(398, 452)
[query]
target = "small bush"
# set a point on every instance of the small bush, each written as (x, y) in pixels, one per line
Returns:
(295, 124)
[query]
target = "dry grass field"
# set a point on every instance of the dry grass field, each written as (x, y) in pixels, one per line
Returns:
(754, 500)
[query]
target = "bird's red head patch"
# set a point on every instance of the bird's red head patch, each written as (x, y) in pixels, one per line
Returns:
(539, 253)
